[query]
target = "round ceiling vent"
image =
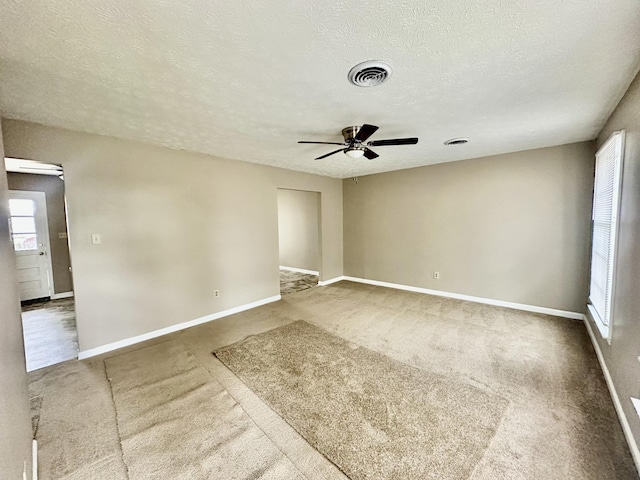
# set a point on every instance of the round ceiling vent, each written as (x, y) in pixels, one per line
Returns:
(456, 141)
(370, 74)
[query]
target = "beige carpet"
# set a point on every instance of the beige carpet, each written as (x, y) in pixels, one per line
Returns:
(372, 416)
(75, 423)
(175, 421)
(560, 422)
(292, 282)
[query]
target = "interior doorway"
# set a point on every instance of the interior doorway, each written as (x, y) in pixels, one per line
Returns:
(39, 235)
(299, 239)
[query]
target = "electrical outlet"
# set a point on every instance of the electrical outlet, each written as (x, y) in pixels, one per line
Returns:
(436, 275)
(216, 293)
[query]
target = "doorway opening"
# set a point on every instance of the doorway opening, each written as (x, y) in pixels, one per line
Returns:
(39, 234)
(299, 240)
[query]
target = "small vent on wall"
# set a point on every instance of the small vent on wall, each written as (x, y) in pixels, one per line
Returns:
(370, 74)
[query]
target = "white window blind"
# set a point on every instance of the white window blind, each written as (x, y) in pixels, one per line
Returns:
(605, 215)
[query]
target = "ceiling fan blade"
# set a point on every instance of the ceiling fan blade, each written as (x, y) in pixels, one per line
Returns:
(365, 132)
(370, 154)
(395, 141)
(328, 154)
(324, 143)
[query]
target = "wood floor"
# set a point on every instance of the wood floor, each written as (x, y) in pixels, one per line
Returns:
(50, 334)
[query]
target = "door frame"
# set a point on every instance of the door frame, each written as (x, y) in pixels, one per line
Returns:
(40, 198)
(319, 220)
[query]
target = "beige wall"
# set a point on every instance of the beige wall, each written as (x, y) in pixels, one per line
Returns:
(621, 356)
(15, 419)
(512, 227)
(174, 225)
(298, 232)
(53, 187)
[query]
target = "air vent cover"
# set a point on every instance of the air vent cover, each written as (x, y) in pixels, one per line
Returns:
(370, 74)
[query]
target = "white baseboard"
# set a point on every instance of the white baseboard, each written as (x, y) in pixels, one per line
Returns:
(58, 296)
(92, 352)
(459, 296)
(332, 280)
(299, 270)
(626, 428)
(34, 460)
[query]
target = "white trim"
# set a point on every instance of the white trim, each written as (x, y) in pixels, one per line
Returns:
(92, 352)
(299, 270)
(331, 280)
(602, 328)
(628, 434)
(34, 459)
(58, 296)
(459, 296)
(636, 405)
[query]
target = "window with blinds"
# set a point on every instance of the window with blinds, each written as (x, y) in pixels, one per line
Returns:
(606, 196)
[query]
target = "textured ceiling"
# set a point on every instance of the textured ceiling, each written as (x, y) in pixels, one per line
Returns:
(245, 80)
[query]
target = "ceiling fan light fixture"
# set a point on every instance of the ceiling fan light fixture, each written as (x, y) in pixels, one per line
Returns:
(354, 152)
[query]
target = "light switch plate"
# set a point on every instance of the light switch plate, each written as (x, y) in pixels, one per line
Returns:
(96, 239)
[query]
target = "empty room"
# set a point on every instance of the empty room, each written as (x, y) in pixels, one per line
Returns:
(339, 240)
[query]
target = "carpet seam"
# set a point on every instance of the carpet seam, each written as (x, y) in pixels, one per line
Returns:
(115, 412)
(484, 454)
(243, 409)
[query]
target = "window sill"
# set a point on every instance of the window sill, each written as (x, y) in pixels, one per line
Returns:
(604, 330)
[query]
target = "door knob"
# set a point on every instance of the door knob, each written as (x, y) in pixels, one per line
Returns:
(41, 253)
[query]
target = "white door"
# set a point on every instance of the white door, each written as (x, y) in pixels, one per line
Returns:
(30, 235)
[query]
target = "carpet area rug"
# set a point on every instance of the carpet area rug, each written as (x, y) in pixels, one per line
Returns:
(372, 416)
(176, 422)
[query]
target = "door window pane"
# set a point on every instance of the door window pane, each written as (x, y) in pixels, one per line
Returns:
(22, 207)
(23, 225)
(25, 241)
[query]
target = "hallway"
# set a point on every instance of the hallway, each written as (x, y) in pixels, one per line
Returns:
(50, 334)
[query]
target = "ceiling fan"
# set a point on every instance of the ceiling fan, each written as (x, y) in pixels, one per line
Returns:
(355, 143)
